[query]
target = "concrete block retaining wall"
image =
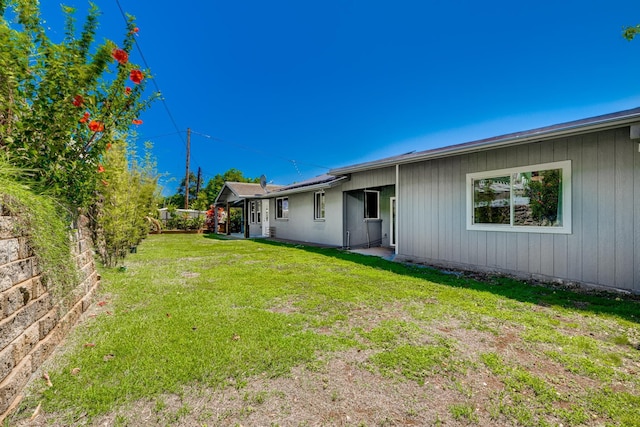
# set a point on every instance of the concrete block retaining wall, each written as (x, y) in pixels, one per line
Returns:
(33, 320)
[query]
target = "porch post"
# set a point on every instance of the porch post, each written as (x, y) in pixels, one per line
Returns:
(244, 219)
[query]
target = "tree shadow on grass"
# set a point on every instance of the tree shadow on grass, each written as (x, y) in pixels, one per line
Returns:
(545, 294)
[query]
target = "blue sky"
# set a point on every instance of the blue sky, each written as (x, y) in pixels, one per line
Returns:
(290, 88)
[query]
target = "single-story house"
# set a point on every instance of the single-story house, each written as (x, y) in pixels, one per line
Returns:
(245, 197)
(558, 203)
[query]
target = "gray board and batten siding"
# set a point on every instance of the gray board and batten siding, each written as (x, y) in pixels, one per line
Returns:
(602, 249)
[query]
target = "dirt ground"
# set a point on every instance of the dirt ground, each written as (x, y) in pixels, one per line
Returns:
(342, 389)
(345, 389)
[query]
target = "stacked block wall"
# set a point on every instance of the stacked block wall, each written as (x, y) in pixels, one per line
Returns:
(33, 319)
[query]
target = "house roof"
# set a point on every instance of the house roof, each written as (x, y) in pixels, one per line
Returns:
(234, 191)
(568, 128)
(317, 183)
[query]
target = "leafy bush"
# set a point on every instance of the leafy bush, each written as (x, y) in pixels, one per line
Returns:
(58, 111)
(46, 224)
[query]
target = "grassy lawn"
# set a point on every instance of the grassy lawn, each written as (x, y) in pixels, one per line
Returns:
(201, 331)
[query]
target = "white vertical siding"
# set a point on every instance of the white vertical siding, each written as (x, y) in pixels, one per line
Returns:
(623, 196)
(603, 247)
(606, 207)
(589, 208)
(574, 240)
(636, 216)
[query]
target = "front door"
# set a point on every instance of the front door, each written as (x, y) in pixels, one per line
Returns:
(265, 218)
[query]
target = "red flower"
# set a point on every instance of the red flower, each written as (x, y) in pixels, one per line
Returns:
(96, 126)
(136, 76)
(100, 168)
(127, 91)
(120, 55)
(108, 146)
(136, 121)
(78, 101)
(85, 117)
(135, 30)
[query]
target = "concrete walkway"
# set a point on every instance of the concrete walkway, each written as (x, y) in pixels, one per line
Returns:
(385, 253)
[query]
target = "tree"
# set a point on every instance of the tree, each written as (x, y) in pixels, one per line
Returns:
(193, 183)
(629, 33)
(215, 184)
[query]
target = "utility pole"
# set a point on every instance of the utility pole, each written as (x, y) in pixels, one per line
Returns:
(186, 179)
(199, 181)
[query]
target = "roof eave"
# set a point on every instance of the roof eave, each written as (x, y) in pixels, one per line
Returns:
(305, 189)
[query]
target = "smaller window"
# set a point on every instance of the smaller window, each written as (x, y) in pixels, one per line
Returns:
(282, 208)
(254, 212)
(371, 204)
(318, 205)
(259, 211)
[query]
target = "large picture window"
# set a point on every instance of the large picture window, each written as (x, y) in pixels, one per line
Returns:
(533, 198)
(318, 205)
(371, 204)
(282, 208)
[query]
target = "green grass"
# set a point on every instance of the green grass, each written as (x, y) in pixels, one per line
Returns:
(191, 310)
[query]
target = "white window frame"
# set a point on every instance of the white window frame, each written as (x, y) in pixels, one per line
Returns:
(254, 212)
(284, 213)
(258, 211)
(565, 228)
(319, 203)
(378, 203)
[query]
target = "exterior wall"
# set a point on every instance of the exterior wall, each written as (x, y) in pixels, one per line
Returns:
(32, 319)
(302, 227)
(371, 179)
(603, 248)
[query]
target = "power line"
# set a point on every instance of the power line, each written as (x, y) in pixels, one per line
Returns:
(180, 132)
(153, 80)
(251, 149)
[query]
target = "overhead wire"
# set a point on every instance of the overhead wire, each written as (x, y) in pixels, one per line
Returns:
(294, 162)
(256, 151)
(153, 80)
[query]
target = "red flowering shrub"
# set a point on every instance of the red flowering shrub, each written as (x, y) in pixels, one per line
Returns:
(96, 126)
(136, 76)
(120, 55)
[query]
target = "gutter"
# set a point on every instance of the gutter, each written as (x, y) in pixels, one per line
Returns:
(305, 189)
